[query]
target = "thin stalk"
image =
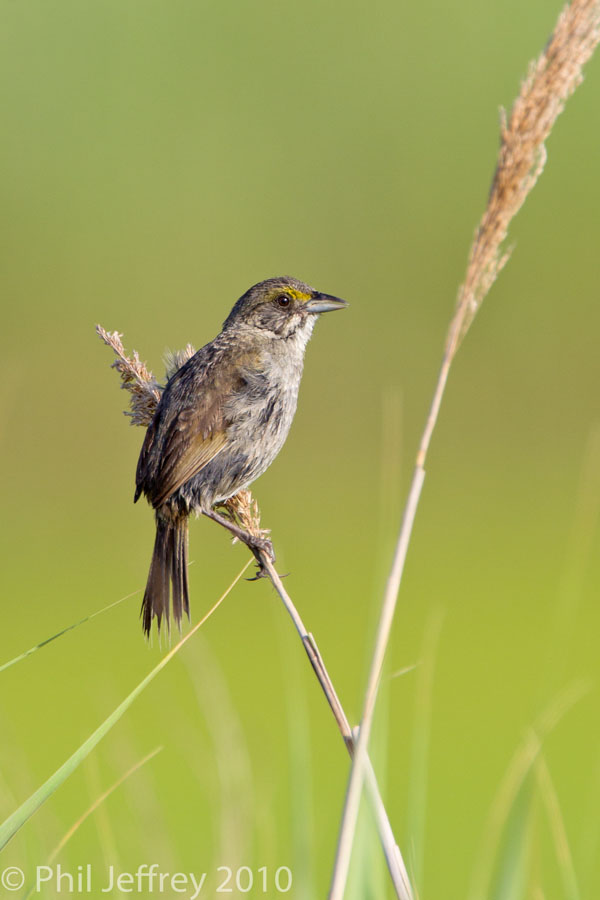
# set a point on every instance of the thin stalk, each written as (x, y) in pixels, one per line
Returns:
(392, 589)
(352, 802)
(391, 850)
(551, 79)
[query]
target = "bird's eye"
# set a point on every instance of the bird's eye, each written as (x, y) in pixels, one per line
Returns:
(283, 300)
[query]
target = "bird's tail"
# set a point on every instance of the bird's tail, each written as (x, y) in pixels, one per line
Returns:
(168, 574)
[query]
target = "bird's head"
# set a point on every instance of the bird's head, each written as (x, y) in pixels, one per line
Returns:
(282, 306)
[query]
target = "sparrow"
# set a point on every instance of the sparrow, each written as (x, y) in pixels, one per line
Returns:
(221, 420)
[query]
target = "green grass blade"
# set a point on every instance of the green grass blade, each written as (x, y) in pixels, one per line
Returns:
(26, 653)
(10, 827)
(419, 766)
(512, 871)
(91, 809)
(515, 777)
(564, 857)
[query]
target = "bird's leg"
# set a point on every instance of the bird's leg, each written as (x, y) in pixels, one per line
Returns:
(253, 542)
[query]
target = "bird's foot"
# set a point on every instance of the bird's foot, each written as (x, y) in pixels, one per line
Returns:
(262, 544)
(260, 547)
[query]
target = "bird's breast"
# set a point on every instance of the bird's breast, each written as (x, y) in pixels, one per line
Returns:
(258, 416)
(265, 407)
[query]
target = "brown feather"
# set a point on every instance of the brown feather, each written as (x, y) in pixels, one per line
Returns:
(186, 460)
(191, 429)
(168, 575)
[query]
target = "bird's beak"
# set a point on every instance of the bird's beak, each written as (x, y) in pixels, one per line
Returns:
(320, 303)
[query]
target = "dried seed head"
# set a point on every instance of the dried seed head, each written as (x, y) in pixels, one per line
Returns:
(145, 393)
(550, 81)
(242, 509)
(137, 379)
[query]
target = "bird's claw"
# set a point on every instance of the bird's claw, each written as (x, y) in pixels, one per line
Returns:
(261, 573)
(261, 546)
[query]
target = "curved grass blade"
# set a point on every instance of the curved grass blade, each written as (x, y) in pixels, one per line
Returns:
(521, 765)
(514, 855)
(21, 656)
(419, 766)
(97, 802)
(10, 827)
(564, 856)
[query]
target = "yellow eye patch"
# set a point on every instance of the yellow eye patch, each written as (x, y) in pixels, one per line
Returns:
(296, 294)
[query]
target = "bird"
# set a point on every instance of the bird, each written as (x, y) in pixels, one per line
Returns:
(221, 420)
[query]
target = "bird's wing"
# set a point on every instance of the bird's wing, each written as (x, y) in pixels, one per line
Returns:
(189, 428)
(189, 451)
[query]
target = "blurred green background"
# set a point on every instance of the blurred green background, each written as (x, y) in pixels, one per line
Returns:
(157, 159)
